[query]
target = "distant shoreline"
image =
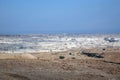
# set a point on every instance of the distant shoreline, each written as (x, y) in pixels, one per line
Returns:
(61, 34)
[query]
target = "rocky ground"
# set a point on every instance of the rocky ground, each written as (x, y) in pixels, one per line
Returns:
(92, 64)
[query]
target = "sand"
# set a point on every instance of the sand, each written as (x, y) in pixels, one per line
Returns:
(49, 66)
(17, 56)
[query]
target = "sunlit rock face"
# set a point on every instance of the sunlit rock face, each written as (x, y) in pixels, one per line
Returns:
(56, 42)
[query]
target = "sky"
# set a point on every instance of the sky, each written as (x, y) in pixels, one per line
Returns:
(59, 16)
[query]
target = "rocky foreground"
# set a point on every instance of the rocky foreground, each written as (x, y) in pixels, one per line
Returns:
(76, 64)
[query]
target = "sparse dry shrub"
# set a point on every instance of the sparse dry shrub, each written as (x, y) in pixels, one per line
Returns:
(61, 57)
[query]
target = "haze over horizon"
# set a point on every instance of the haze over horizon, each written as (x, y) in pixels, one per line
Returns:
(59, 16)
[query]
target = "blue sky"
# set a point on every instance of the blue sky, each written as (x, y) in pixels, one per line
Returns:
(59, 16)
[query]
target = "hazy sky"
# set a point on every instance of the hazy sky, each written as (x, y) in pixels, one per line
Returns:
(59, 16)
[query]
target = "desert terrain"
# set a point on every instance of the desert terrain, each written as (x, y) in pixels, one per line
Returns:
(74, 64)
(60, 57)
